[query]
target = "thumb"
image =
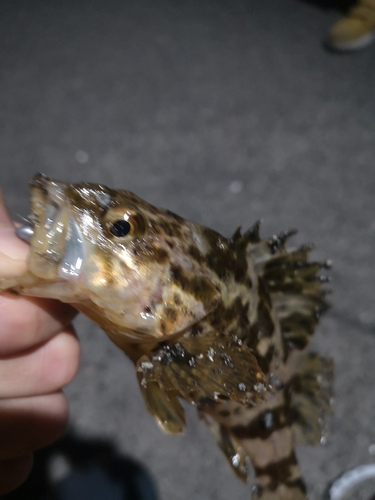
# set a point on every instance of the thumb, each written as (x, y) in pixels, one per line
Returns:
(13, 251)
(5, 219)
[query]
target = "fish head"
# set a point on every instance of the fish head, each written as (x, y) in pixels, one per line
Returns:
(109, 252)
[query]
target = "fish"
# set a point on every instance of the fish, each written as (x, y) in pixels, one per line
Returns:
(222, 323)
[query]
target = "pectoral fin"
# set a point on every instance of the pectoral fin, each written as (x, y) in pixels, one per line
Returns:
(205, 370)
(164, 406)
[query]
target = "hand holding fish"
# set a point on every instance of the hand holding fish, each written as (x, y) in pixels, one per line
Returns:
(39, 355)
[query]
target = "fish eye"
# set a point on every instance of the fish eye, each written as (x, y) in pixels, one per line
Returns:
(122, 223)
(120, 228)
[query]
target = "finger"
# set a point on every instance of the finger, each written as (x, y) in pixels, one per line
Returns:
(27, 424)
(26, 322)
(13, 253)
(5, 219)
(14, 472)
(41, 370)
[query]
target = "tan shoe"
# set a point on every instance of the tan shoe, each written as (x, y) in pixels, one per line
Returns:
(356, 30)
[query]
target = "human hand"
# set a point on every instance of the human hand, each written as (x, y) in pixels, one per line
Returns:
(39, 355)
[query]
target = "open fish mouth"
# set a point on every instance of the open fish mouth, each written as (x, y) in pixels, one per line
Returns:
(57, 244)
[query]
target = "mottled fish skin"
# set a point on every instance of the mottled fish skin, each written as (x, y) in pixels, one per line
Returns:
(222, 323)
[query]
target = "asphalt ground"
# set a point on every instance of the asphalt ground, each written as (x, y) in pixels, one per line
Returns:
(225, 112)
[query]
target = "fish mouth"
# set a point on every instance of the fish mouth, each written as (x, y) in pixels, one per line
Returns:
(56, 241)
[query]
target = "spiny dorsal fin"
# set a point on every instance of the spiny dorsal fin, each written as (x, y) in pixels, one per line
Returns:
(294, 286)
(237, 235)
(252, 234)
(277, 242)
(297, 295)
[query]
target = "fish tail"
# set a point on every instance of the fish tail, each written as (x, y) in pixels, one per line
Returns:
(253, 452)
(296, 415)
(280, 480)
(263, 437)
(268, 440)
(302, 419)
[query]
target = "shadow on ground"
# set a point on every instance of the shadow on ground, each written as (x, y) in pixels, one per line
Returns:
(86, 469)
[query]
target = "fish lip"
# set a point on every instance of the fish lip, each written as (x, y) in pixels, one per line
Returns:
(71, 262)
(46, 199)
(39, 180)
(25, 232)
(49, 188)
(52, 232)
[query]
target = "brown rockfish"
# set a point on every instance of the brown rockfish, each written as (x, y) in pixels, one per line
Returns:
(223, 323)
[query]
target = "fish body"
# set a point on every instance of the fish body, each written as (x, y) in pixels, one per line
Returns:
(223, 323)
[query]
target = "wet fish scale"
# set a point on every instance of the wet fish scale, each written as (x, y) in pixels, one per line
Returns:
(221, 322)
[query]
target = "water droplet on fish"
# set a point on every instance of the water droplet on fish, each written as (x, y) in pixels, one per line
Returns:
(267, 419)
(103, 199)
(259, 387)
(237, 340)
(210, 354)
(227, 359)
(242, 387)
(323, 440)
(146, 365)
(235, 460)
(275, 382)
